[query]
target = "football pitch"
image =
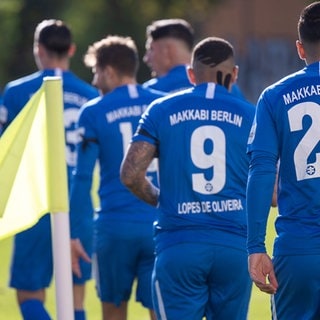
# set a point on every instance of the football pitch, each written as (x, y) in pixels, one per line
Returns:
(259, 305)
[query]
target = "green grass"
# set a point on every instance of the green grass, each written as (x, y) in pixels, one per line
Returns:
(259, 306)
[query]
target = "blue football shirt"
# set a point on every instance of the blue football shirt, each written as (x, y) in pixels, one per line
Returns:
(201, 134)
(107, 125)
(287, 128)
(76, 92)
(176, 79)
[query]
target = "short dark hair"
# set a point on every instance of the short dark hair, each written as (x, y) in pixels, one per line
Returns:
(212, 51)
(309, 23)
(119, 52)
(54, 35)
(171, 28)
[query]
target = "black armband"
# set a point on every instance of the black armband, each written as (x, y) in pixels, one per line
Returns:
(147, 134)
(86, 141)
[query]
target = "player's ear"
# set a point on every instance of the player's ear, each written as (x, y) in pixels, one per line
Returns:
(191, 75)
(39, 50)
(110, 72)
(300, 49)
(72, 50)
(235, 73)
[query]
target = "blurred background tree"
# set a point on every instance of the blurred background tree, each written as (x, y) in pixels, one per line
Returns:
(262, 32)
(90, 20)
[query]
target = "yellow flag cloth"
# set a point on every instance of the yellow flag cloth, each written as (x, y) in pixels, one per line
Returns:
(33, 173)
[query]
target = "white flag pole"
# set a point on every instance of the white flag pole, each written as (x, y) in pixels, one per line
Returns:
(58, 196)
(62, 265)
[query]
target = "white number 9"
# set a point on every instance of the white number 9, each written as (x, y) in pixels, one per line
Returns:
(216, 159)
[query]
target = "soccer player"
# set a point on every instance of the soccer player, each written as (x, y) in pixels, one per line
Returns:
(169, 44)
(123, 230)
(286, 129)
(32, 265)
(200, 135)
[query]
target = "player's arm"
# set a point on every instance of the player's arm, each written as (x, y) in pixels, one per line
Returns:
(260, 189)
(81, 208)
(8, 108)
(134, 168)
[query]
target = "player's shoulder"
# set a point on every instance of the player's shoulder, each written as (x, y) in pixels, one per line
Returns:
(288, 82)
(174, 97)
(25, 81)
(168, 102)
(175, 79)
(150, 83)
(92, 104)
(150, 93)
(91, 112)
(246, 108)
(244, 103)
(133, 94)
(218, 97)
(72, 80)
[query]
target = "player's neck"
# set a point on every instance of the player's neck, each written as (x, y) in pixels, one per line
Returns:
(62, 64)
(125, 80)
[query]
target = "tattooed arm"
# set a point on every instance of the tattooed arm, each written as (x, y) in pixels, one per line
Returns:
(134, 168)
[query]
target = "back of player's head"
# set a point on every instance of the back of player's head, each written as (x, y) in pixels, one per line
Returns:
(54, 35)
(212, 51)
(213, 60)
(171, 28)
(118, 52)
(309, 23)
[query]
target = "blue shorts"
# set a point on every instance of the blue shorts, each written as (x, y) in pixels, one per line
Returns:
(298, 294)
(123, 252)
(32, 262)
(192, 281)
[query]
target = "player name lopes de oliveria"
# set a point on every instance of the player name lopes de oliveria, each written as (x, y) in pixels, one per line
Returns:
(209, 206)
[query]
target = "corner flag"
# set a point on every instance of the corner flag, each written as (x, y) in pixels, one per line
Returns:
(33, 176)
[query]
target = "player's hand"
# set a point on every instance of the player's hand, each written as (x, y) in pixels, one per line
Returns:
(77, 253)
(262, 272)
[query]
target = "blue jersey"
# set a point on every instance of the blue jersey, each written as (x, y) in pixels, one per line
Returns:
(287, 127)
(237, 91)
(32, 266)
(176, 79)
(201, 135)
(107, 125)
(76, 92)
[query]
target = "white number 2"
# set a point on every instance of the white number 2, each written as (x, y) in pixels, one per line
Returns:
(305, 170)
(214, 160)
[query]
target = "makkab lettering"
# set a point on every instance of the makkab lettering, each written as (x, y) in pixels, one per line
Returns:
(301, 93)
(125, 112)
